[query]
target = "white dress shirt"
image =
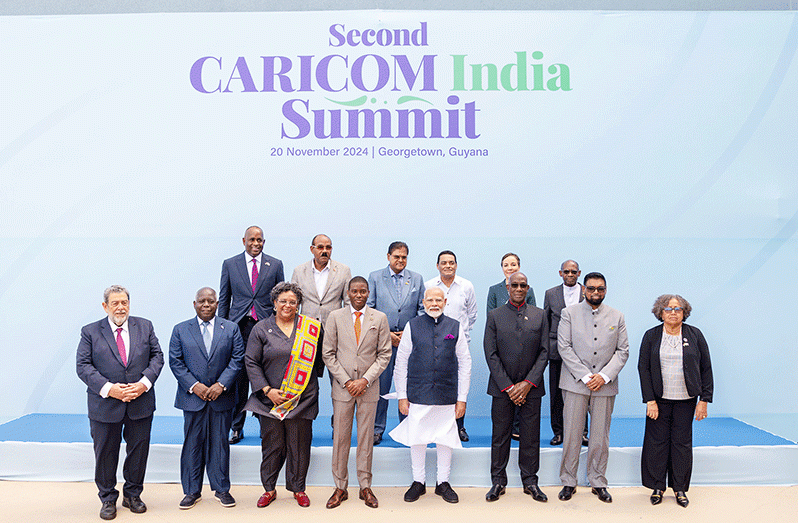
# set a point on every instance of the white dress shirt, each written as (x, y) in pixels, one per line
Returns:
(461, 302)
(321, 277)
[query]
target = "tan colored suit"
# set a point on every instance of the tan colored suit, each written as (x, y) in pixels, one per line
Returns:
(347, 360)
(334, 296)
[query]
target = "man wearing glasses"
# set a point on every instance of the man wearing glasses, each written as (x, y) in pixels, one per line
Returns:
(557, 298)
(594, 347)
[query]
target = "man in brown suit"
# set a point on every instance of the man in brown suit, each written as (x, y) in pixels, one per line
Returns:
(357, 348)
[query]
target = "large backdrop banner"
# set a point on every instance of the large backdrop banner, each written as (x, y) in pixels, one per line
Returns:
(658, 148)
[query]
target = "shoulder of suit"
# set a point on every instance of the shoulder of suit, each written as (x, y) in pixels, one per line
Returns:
(239, 256)
(554, 289)
(336, 265)
(134, 320)
(270, 259)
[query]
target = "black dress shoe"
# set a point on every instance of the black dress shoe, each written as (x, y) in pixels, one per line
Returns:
(225, 499)
(463, 434)
(108, 510)
(681, 498)
(566, 493)
(656, 497)
(556, 440)
(585, 441)
(534, 491)
(415, 491)
(135, 504)
(189, 500)
(494, 492)
(236, 436)
(445, 491)
(602, 493)
(377, 439)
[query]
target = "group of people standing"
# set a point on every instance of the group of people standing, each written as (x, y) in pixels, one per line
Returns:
(392, 328)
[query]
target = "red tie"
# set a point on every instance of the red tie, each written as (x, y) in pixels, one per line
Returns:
(120, 346)
(254, 284)
(357, 326)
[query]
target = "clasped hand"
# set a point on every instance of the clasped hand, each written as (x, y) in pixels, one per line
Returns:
(127, 392)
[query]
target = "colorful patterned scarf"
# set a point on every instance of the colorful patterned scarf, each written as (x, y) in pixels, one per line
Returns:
(300, 366)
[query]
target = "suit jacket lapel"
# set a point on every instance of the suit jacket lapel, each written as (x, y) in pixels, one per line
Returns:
(105, 329)
(368, 322)
(330, 278)
(196, 333)
(387, 276)
(244, 271)
(310, 277)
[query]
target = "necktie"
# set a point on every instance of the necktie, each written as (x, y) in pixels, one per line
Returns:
(120, 346)
(397, 283)
(254, 284)
(206, 336)
(357, 326)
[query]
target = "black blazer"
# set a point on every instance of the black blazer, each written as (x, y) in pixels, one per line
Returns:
(695, 355)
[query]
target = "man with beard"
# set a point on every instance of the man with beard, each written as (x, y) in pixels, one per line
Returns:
(432, 376)
(594, 347)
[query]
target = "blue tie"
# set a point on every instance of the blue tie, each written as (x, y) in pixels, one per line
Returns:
(206, 336)
(397, 283)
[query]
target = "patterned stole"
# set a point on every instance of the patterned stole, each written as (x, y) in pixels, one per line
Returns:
(300, 366)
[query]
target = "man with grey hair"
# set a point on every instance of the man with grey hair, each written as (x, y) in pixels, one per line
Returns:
(119, 359)
(206, 354)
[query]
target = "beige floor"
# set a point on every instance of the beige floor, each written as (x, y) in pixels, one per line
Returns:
(31, 502)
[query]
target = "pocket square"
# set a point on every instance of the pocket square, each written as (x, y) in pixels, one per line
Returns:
(449, 337)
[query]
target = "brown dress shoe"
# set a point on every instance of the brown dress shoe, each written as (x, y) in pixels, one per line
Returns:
(337, 498)
(368, 496)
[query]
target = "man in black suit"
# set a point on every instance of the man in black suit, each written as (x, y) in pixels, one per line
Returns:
(516, 352)
(245, 298)
(556, 299)
(119, 359)
(206, 354)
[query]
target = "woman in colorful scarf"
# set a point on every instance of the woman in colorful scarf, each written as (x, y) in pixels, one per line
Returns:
(283, 362)
(676, 380)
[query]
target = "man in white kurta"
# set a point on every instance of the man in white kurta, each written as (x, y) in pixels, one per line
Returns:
(432, 376)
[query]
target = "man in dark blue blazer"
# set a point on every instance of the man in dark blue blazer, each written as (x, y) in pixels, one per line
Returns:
(119, 359)
(206, 354)
(399, 294)
(245, 298)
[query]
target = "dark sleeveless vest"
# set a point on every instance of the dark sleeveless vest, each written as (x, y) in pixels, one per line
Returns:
(432, 366)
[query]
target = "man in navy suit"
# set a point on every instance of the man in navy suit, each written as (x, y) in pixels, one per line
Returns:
(119, 359)
(399, 293)
(245, 298)
(206, 355)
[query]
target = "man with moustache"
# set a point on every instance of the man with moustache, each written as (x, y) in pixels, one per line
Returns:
(556, 299)
(516, 352)
(357, 348)
(432, 375)
(594, 347)
(399, 293)
(119, 359)
(322, 280)
(461, 304)
(206, 354)
(245, 298)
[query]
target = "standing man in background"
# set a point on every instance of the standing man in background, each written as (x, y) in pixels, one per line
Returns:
(322, 280)
(556, 299)
(119, 359)
(245, 298)
(399, 293)
(461, 304)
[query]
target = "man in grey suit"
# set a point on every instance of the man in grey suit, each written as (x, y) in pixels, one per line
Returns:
(245, 298)
(399, 293)
(322, 280)
(119, 359)
(594, 347)
(557, 298)
(357, 348)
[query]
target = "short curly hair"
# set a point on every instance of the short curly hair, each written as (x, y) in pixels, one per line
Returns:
(662, 302)
(286, 286)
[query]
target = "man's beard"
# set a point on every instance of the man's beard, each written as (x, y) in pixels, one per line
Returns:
(435, 314)
(594, 301)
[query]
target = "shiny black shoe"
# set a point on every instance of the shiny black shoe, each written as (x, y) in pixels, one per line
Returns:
(656, 497)
(377, 439)
(236, 436)
(135, 504)
(415, 491)
(537, 494)
(585, 441)
(566, 493)
(556, 440)
(445, 491)
(494, 492)
(108, 510)
(602, 493)
(463, 434)
(681, 498)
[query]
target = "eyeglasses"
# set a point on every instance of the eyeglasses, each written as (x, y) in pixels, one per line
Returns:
(569, 271)
(292, 303)
(596, 289)
(672, 309)
(517, 285)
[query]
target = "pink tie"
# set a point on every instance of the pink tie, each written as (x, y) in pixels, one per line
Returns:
(254, 284)
(120, 346)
